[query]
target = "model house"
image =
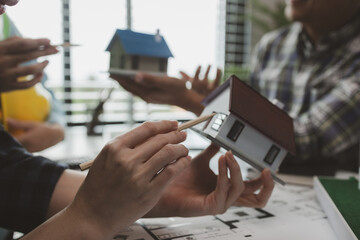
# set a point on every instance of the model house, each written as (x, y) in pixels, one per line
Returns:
(133, 51)
(247, 123)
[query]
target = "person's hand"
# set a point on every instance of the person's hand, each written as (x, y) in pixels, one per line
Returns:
(162, 90)
(129, 175)
(35, 136)
(8, 3)
(17, 50)
(203, 86)
(198, 191)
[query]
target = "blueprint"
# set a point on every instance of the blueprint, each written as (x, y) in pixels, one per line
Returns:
(291, 213)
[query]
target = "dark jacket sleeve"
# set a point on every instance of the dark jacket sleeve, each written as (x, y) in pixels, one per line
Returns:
(26, 185)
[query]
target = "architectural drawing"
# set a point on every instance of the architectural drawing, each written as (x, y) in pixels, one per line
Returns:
(292, 213)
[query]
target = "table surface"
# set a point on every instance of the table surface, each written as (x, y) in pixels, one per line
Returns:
(292, 212)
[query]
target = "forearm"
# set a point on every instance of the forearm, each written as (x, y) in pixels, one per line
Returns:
(67, 224)
(65, 191)
(42, 136)
(191, 101)
(66, 221)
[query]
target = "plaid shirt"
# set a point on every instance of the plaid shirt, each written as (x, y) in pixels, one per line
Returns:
(318, 85)
(26, 185)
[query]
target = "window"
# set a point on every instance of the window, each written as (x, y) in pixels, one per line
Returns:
(162, 64)
(235, 130)
(135, 62)
(272, 154)
(220, 118)
(122, 61)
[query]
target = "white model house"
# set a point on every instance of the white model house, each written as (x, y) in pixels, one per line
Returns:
(247, 123)
(131, 52)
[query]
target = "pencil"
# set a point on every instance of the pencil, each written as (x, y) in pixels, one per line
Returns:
(66, 44)
(195, 121)
(88, 164)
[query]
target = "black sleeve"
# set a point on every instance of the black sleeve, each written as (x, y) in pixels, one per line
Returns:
(26, 185)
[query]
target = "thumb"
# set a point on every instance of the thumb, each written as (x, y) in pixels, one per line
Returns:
(207, 154)
(185, 76)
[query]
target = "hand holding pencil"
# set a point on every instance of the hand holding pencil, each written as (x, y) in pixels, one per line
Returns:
(183, 126)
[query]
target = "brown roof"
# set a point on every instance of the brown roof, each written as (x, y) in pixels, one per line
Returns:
(261, 114)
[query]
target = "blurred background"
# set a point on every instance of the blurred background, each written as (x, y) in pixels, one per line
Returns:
(220, 33)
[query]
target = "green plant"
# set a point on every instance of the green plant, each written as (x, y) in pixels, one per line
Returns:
(242, 72)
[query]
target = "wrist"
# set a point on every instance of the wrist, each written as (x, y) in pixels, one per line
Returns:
(90, 228)
(191, 101)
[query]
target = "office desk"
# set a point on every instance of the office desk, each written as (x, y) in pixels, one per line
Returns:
(291, 213)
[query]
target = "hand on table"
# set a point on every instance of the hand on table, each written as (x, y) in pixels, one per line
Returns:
(36, 136)
(198, 191)
(17, 50)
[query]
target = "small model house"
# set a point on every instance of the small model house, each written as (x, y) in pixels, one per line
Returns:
(133, 51)
(247, 123)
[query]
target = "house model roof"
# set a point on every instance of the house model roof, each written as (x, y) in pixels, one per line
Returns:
(142, 44)
(258, 111)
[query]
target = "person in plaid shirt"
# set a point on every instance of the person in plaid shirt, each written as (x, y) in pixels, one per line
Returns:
(312, 67)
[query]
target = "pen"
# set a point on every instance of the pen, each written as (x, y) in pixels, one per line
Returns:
(88, 164)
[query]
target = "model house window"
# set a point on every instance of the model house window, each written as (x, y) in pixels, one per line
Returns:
(135, 62)
(272, 154)
(162, 64)
(219, 120)
(122, 61)
(112, 62)
(235, 130)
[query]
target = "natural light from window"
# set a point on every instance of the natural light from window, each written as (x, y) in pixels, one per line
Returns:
(189, 28)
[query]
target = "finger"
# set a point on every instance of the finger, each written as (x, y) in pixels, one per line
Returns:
(184, 76)
(207, 72)
(146, 131)
(258, 200)
(216, 82)
(15, 124)
(167, 155)
(253, 185)
(196, 81)
(236, 181)
(14, 60)
(21, 71)
(147, 149)
(204, 83)
(268, 187)
(206, 155)
(222, 185)
(30, 83)
(16, 45)
(170, 172)
(197, 73)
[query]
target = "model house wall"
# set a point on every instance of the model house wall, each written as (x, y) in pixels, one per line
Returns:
(250, 144)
